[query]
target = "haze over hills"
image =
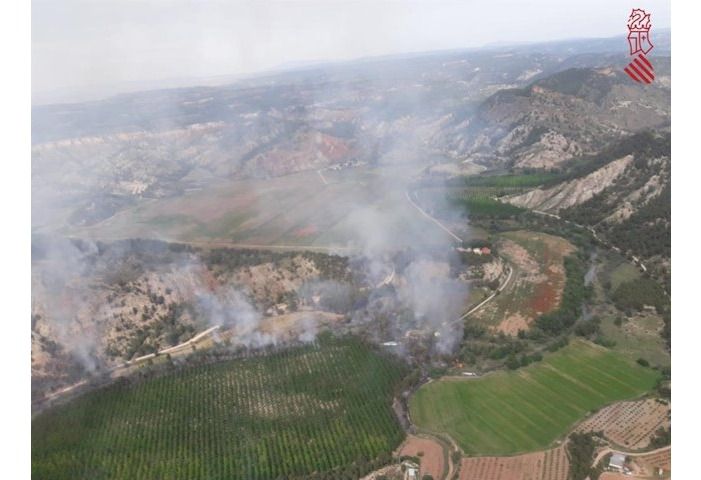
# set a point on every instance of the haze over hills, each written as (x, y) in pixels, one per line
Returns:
(345, 144)
(94, 159)
(96, 91)
(457, 212)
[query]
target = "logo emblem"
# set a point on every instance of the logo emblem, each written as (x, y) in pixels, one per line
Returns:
(639, 25)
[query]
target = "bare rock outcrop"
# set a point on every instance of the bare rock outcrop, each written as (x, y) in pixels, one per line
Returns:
(574, 192)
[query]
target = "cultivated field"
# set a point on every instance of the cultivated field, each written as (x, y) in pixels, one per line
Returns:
(546, 465)
(536, 285)
(322, 408)
(303, 209)
(629, 424)
(650, 463)
(528, 409)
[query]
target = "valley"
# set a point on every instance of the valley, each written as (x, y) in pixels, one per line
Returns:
(456, 263)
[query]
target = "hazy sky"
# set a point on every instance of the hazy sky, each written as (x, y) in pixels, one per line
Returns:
(87, 48)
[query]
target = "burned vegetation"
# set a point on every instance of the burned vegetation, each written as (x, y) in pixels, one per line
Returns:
(96, 305)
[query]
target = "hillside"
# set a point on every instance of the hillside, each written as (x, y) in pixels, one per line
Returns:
(96, 305)
(623, 193)
(559, 117)
(92, 160)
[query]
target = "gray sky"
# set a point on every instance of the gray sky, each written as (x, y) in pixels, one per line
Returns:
(90, 48)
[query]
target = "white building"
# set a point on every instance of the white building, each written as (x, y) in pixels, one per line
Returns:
(617, 461)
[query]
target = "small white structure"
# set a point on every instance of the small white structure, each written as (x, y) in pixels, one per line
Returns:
(617, 461)
(412, 473)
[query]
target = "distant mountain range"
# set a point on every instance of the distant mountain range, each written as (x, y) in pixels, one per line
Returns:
(556, 106)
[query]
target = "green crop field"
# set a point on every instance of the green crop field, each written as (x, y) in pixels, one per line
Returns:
(528, 409)
(320, 411)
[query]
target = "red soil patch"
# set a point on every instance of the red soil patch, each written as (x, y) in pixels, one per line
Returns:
(432, 458)
(305, 151)
(546, 297)
(207, 210)
(539, 280)
(305, 231)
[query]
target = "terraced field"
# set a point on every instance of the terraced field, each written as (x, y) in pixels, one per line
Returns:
(527, 410)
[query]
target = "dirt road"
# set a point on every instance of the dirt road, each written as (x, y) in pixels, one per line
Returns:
(496, 292)
(608, 450)
(130, 363)
(458, 239)
(434, 220)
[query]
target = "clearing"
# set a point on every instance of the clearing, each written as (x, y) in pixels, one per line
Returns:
(637, 336)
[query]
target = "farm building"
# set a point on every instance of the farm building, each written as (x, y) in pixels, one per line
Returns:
(411, 471)
(617, 461)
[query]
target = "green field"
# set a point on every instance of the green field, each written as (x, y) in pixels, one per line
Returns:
(324, 408)
(528, 409)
